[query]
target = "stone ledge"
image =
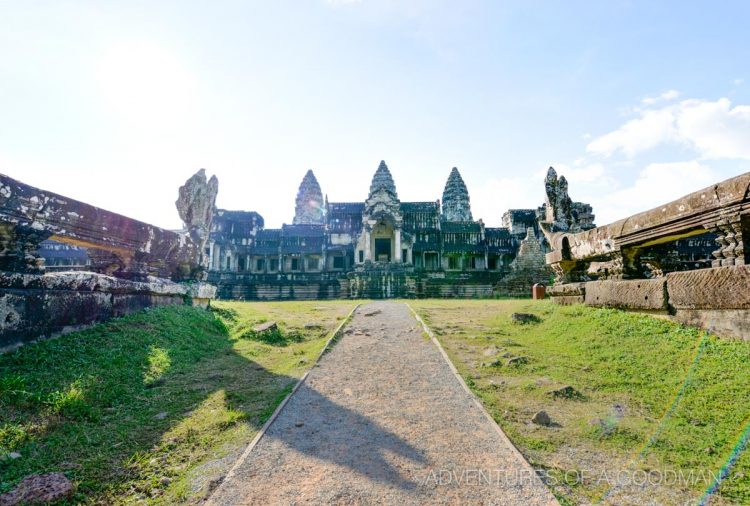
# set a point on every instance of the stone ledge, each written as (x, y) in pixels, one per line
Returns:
(92, 282)
(731, 323)
(38, 306)
(633, 294)
(716, 288)
(567, 289)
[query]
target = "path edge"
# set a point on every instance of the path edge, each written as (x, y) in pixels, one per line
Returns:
(246, 453)
(498, 429)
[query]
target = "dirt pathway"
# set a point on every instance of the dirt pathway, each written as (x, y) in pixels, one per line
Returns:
(382, 419)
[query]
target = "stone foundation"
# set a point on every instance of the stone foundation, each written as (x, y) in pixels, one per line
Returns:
(34, 306)
(369, 284)
(716, 299)
(648, 294)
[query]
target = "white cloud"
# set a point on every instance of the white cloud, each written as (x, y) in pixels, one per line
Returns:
(664, 97)
(655, 185)
(716, 129)
(653, 128)
(713, 129)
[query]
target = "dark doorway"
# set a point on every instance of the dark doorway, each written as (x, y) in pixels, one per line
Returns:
(383, 250)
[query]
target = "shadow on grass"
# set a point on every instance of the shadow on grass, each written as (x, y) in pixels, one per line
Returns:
(120, 407)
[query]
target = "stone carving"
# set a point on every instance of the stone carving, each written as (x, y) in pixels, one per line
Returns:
(309, 207)
(561, 213)
(196, 205)
(456, 206)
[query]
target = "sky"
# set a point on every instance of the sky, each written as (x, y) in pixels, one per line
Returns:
(118, 103)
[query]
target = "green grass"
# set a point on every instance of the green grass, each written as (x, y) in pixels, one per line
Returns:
(153, 407)
(655, 395)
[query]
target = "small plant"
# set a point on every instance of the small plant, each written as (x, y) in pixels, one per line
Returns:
(70, 403)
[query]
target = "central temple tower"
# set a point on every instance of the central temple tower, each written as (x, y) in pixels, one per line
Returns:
(382, 221)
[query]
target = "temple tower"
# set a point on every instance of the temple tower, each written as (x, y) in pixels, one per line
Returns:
(309, 208)
(456, 205)
(382, 221)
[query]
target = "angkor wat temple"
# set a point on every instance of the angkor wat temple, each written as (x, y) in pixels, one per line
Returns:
(382, 247)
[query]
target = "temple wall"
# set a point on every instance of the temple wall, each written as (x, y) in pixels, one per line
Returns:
(716, 299)
(375, 284)
(34, 306)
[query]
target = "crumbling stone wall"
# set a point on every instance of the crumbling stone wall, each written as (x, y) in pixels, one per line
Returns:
(527, 269)
(134, 260)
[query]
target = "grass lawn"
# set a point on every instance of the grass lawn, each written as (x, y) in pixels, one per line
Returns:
(655, 398)
(156, 406)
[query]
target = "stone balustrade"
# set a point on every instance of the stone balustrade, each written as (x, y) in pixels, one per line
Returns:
(118, 245)
(135, 265)
(615, 251)
(609, 266)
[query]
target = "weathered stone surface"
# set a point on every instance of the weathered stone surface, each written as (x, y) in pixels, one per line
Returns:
(541, 418)
(28, 214)
(717, 288)
(709, 209)
(633, 294)
(309, 208)
(266, 327)
(39, 489)
(196, 204)
(526, 270)
(568, 300)
(456, 204)
(567, 289)
(33, 305)
(561, 213)
(730, 323)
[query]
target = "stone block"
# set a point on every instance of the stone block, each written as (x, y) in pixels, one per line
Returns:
(567, 290)
(34, 306)
(717, 288)
(649, 294)
(731, 323)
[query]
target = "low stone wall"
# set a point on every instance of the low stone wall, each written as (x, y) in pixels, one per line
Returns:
(34, 306)
(373, 284)
(716, 299)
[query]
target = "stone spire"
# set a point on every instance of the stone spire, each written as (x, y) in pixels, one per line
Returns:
(456, 206)
(309, 209)
(383, 180)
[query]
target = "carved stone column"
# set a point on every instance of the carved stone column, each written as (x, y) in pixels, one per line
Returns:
(730, 237)
(368, 249)
(397, 249)
(18, 246)
(626, 264)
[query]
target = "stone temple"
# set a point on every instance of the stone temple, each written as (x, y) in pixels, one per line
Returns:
(381, 247)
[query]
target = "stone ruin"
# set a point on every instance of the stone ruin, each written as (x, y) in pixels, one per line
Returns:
(378, 248)
(652, 261)
(559, 210)
(131, 265)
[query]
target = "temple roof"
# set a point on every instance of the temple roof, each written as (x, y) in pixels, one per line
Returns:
(383, 180)
(420, 207)
(456, 206)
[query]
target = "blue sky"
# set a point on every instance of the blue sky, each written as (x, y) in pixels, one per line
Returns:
(117, 103)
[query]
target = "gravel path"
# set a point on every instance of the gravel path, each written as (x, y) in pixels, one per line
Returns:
(382, 419)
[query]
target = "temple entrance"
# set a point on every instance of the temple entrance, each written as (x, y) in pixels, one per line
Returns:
(382, 250)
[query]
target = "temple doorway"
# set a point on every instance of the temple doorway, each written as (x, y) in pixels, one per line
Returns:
(382, 250)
